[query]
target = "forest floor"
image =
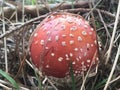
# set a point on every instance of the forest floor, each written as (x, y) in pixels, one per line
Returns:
(18, 19)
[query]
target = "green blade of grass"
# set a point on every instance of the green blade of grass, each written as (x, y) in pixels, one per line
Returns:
(39, 81)
(33, 2)
(72, 1)
(101, 84)
(72, 76)
(10, 79)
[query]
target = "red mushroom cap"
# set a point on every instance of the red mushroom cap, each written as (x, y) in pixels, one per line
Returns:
(62, 38)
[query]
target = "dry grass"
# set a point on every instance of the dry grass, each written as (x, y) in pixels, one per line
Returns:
(15, 60)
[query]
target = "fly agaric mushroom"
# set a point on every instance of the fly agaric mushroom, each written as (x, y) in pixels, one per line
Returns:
(62, 38)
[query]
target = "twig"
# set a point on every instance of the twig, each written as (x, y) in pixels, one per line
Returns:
(113, 68)
(34, 68)
(23, 11)
(87, 10)
(5, 87)
(5, 44)
(43, 16)
(108, 25)
(114, 79)
(52, 84)
(113, 34)
(85, 78)
(29, 63)
(93, 7)
(19, 27)
(37, 8)
(42, 8)
(93, 19)
(117, 38)
(21, 66)
(104, 24)
(2, 82)
(46, 5)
